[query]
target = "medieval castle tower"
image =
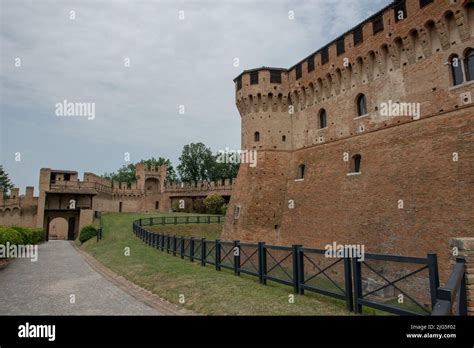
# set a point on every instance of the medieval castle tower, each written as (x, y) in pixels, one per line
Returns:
(368, 140)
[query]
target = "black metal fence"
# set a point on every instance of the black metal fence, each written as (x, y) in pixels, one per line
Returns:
(453, 293)
(307, 269)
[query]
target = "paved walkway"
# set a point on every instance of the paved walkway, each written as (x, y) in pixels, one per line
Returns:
(44, 287)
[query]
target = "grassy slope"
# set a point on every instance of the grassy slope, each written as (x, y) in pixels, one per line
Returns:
(206, 290)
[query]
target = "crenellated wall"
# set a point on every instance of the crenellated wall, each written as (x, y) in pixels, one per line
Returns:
(61, 188)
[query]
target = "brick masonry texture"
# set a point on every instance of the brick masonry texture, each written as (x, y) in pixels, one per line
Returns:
(403, 158)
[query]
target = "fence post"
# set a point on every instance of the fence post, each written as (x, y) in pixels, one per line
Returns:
(174, 245)
(151, 221)
(219, 219)
(162, 220)
(208, 219)
(357, 267)
(300, 257)
(434, 276)
(262, 262)
(198, 220)
(168, 243)
(203, 251)
(181, 249)
(296, 281)
(348, 284)
(191, 249)
(140, 222)
(218, 255)
(462, 300)
(187, 219)
(236, 257)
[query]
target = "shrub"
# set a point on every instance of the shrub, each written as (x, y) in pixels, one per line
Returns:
(214, 203)
(26, 234)
(38, 235)
(224, 209)
(87, 233)
(8, 234)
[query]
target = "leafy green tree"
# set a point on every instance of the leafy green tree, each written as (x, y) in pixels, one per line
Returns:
(220, 170)
(196, 162)
(5, 182)
(124, 174)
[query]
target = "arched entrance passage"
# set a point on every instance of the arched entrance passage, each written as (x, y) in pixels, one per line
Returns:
(61, 224)
(58, 228)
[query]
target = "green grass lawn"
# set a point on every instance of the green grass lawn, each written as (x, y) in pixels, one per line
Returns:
(205, 290)
(209, 231)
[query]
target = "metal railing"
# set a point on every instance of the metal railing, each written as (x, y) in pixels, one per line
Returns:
(453, 293)
(304, 269)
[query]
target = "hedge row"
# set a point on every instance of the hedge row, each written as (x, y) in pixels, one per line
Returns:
(18, 235)
(87, 233)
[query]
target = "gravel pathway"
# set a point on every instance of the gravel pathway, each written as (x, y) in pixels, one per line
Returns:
(45, 287)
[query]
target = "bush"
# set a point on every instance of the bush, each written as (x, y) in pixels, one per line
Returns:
(26, 234)
(8, 234)
(214, 204)
(224, 209)
(87, 233)
(38, 235)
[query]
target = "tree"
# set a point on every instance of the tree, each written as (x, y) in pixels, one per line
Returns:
(196, 162)
(214, 204)
(124, 174)
(5, 184)
(221, 170)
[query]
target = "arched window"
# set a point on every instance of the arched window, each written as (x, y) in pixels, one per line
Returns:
(355, 163)
(361, 105)
(322, 119)
(456, 70)
(301, 169)
(256, 136)
(469, 64)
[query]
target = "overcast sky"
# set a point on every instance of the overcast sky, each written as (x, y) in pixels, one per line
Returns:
(173, 62)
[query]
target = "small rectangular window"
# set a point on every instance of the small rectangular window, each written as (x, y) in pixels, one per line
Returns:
(237, 212)
(298, 71)
(324, 55)
(275, 76)
(358, 36)
(424, 3)
(254, 78)
(377, 25)
(400, 10)
(157, 205)
(340, 47)
(239, 83)
(310, 63)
